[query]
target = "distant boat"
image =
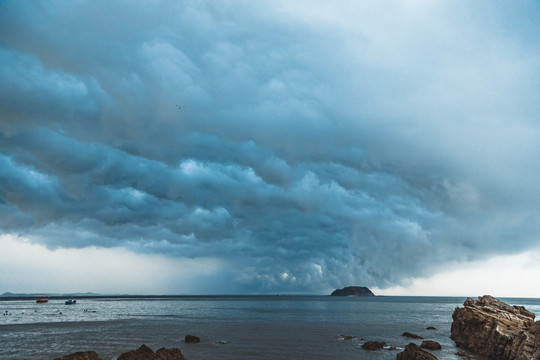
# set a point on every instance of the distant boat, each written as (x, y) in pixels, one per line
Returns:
(71, 302)
(42, 299)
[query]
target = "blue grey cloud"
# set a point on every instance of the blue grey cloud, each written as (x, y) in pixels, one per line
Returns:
(314, 147)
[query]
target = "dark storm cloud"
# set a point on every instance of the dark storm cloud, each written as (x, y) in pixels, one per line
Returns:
(314, 147)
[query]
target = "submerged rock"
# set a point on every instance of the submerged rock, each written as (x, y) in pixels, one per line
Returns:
(81, 355)
(412, 336)
(415, 352)
(492, 329)
(353, 291)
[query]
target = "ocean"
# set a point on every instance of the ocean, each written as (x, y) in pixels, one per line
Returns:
(230, 327)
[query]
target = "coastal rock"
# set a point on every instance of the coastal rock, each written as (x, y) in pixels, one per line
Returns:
(81, 355)
(373, 345)
(145, 353)
(492, 329)
(142, 353)
(192, 339)
(463, 355)
(414, 352)
(431, 328)
(168, 354)
(412, 336)
(430, 345)
(353, 291)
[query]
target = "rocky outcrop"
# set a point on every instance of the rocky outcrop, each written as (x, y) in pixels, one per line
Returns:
(373, 345)
(142, 353)
(145, 353)
(81, 355)
(353, 291)
(492, 329)
(414, 352)
(168, 354)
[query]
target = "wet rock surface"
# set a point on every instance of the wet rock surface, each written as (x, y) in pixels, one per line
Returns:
(492, 329)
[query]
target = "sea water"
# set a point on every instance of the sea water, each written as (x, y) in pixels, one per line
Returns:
(230, 327)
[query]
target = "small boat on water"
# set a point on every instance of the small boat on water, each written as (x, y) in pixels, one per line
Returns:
(71, 302)
(42, 299)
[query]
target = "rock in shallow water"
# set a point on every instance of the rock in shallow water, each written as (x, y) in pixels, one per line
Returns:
(145, 353)
(192, 339)
(373, 345)
(81, 355)
(412, 336)
(142, 353)
(414, 352)
(490, 328)
(431, 345)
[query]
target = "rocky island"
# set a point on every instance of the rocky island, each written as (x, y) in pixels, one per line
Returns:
(353, 291)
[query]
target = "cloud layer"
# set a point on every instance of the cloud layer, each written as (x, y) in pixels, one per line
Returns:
(302, 148)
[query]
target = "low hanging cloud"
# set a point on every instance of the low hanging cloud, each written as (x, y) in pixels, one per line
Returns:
(304, 147)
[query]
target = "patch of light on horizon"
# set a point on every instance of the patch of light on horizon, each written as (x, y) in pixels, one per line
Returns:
(499, 276)
(35, 268)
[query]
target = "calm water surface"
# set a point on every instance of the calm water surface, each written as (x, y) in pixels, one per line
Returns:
(229, 327)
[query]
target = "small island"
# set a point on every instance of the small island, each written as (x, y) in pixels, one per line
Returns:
(353, 291)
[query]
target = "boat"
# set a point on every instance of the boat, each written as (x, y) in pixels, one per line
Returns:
(42, 299)
(71, 302)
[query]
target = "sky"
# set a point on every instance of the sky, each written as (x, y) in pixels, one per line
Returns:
(241, 147)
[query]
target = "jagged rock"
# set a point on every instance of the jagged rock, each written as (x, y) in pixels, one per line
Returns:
(430, 345)
(492, 329)
(145, 353)
(192, 339)
(415, 352)
(412, 336)
(373, 345)
(353, 291)
(81, 355)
